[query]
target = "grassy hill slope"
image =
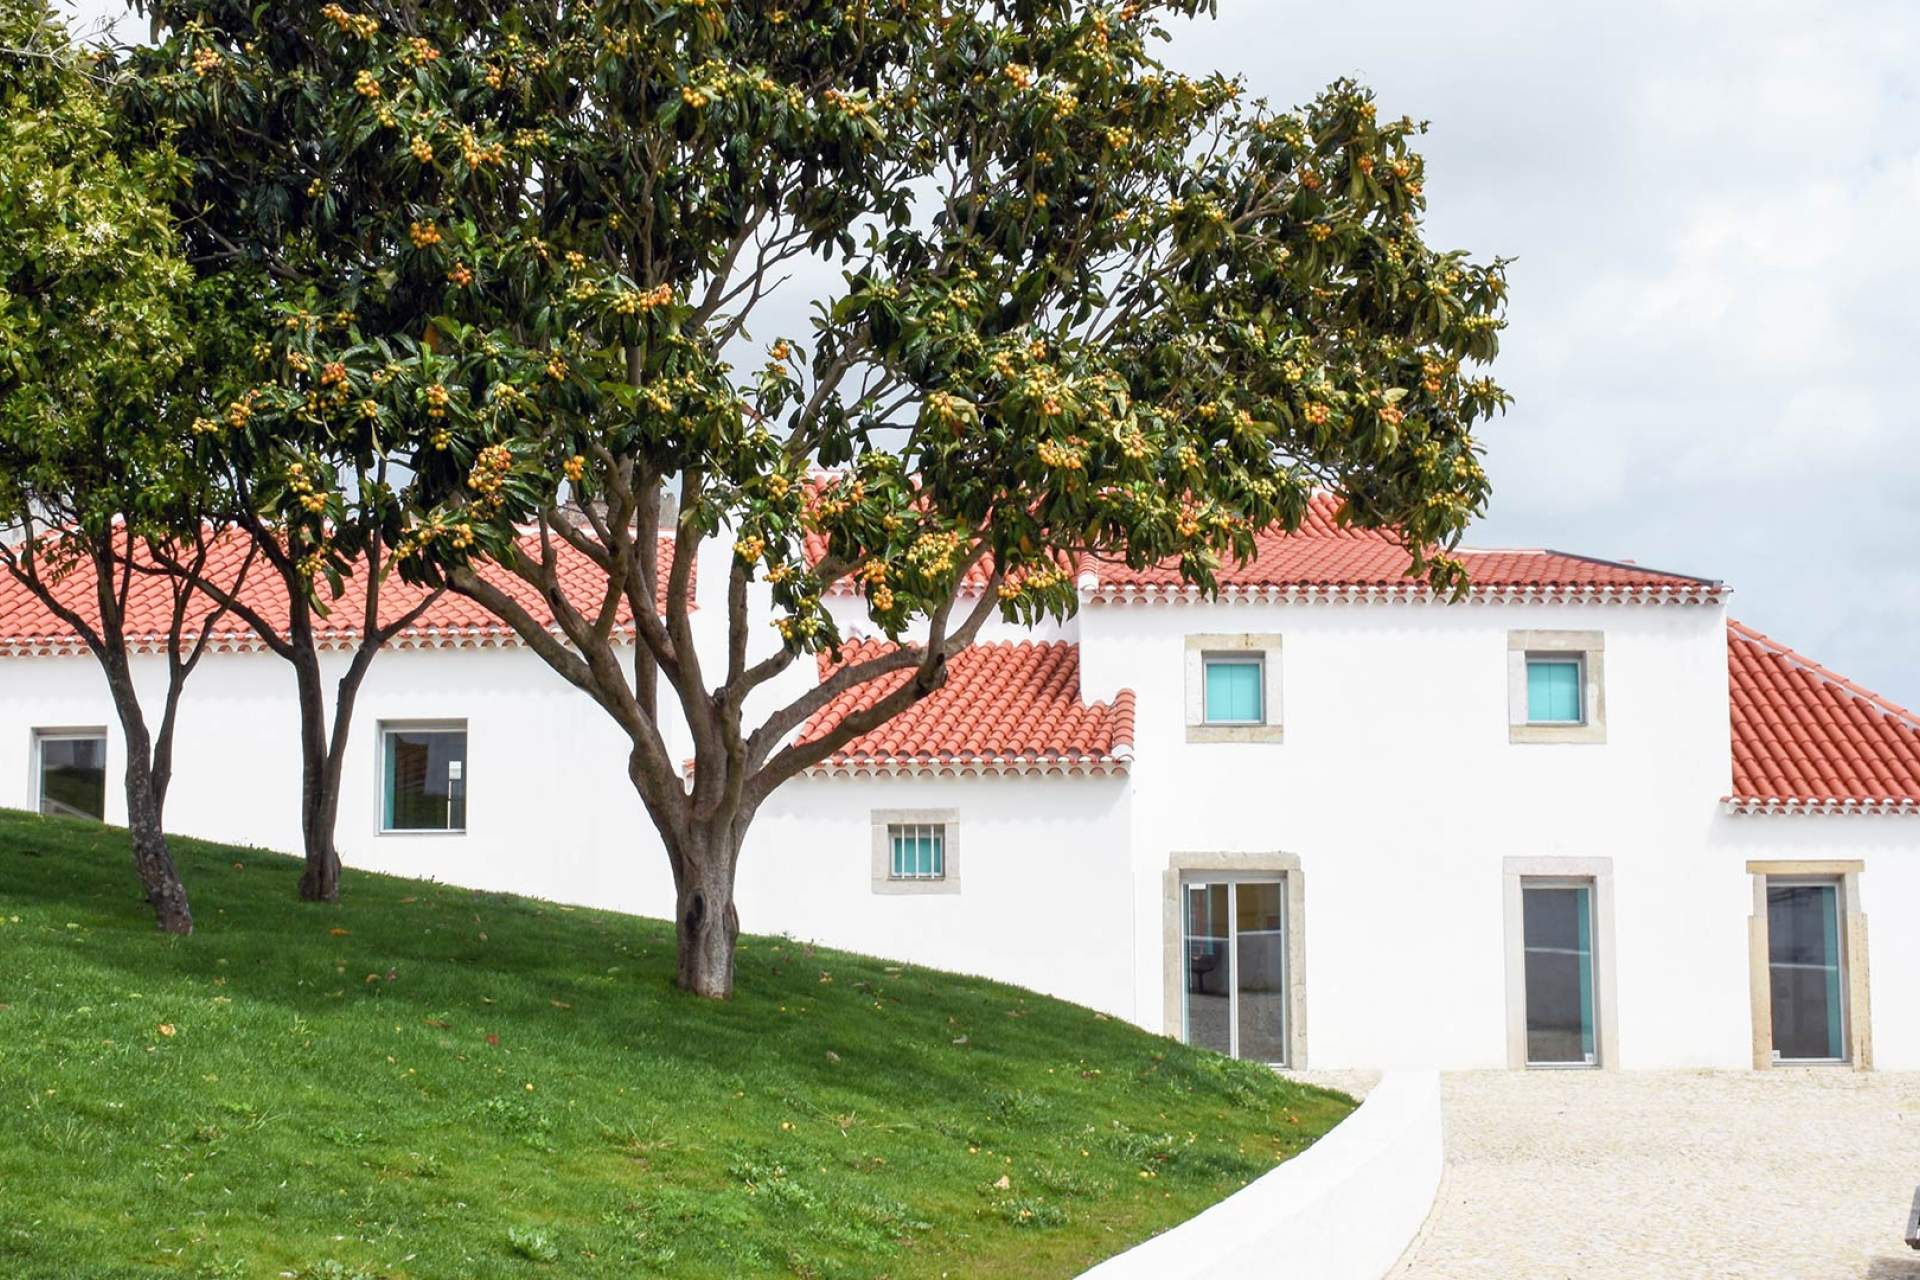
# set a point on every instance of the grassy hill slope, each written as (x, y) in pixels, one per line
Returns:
(431, 1082)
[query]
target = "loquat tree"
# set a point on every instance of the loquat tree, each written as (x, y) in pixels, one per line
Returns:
(107, 348)
(306, 476)
(1077, 305)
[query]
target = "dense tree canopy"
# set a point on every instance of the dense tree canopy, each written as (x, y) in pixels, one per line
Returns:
(109, 347)
(1082, 304)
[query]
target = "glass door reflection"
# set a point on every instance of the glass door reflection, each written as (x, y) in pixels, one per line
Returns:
(1234, 952)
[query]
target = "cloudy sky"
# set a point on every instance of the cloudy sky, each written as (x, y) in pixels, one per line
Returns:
(1712, 207)
(1712, 204)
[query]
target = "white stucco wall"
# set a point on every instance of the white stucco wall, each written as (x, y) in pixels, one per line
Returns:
(1396, 787)
(1888, 847)
(550, 810)
(1043, 898)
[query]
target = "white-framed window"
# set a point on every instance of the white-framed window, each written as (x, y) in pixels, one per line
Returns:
(70, 773)
(423, 777)
(1556, 686)
(916, 851)
(1233, 688)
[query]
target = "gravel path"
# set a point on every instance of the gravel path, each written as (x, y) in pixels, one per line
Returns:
(1778, 1175)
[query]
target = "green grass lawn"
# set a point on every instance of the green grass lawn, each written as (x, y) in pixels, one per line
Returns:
(430, 1082)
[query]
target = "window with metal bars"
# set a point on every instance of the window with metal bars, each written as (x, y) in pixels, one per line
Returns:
(919, 850)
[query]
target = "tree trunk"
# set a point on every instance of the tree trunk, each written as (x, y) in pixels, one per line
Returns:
(705, 923)
(319, 803)
(146, 802)
(320, 879)
(322, 759)
(153, 861)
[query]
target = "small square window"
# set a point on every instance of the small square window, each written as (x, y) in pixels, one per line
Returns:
(916, 851)
(1553, 690)
(71, 765)
(919, 850)
(1235, 690)
(424, 778)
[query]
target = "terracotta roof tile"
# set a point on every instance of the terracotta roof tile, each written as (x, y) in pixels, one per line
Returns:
(1014, 703)
(1323, 554)
(1804, 736)
(28, 626)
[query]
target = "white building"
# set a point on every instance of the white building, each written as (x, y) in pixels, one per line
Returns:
(1582, 818)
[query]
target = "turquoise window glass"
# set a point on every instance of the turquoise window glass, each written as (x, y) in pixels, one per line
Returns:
(1583, 899)
(919, 852)
(1553, 691)
(1830, 939)
(1234, 693)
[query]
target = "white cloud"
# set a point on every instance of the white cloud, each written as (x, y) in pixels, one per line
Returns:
(1711, 205)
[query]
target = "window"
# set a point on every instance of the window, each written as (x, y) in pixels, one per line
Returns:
(424, 771)
(916, 850)
(1233, 690)
(1557, 925)
(1561, 1003)
(1236, 967)
(1805, 971)
(1553, 689)
(1234, 932)
(1556, 687)
(1807, 946)
(70, 767)
(919, 850)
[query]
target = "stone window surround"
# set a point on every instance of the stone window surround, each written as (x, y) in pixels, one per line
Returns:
(1514, 873)
(1199, 648)
(1591, 648)
(1853, 956)
(1285, 866)
(947, 819)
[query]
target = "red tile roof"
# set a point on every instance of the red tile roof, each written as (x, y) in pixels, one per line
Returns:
(1005, 706)
(1326, 558)
(28, 627)
(1806, 739)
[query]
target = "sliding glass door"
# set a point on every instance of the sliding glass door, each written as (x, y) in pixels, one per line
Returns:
(1558, 928)
(1234, 950)
(1807, 972)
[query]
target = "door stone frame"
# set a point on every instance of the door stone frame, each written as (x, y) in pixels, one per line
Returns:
(1515, 872)
(1285, 867)
(1853, 957)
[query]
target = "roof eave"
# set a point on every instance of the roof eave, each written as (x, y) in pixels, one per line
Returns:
(1111, 763)
(1400, 593)
(1807, 806)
